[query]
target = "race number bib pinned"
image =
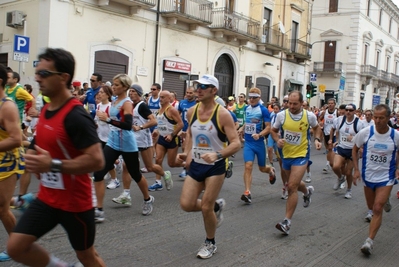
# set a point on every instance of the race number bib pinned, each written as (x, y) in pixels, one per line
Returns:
(250, 128)
(52, 180)
(293, 138)
(197, 152)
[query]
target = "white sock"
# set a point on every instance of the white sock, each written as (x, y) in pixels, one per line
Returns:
(126, 191)
(158, 182)
(56, 262)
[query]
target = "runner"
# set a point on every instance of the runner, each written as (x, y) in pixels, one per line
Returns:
(207, 151)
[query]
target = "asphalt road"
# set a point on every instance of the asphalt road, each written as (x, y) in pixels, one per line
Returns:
(328, 233)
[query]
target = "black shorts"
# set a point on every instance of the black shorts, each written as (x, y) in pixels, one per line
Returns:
(200, 172)
(327, 138)
(143, 148)
(168, 145)
(345, 153)
(40, 219)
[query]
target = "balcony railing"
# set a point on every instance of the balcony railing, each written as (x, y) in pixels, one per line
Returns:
(144, 2)
(395, 78)
(232, 21)
(299, 47)
(383, 75)
(368, 70)
(335, 67)
(192, 9)
(272, 37)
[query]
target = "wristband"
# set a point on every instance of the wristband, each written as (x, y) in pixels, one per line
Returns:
(318, 139)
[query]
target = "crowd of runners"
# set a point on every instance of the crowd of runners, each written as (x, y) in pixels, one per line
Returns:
(70, 132)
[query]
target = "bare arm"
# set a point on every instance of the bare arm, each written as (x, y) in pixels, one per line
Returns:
(174, 114)
(12, 124)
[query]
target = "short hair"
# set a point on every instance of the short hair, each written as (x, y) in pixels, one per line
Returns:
(15, 75)
(85, 84)
(99, 76)
(332, 99)
(9, 69)
(157, 85)
(343, 106)
(277, 104)
(108, 91)
(383, 106)
(3, 76)
(63, 61)
(275, 97)
(28, 88)
(299, 94)
(255, 90)
(243, 95)
(125, 80)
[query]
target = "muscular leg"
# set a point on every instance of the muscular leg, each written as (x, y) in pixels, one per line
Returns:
(161, 152)
(337, 167)
(90, 257)
(348, 173)
(381, 195)
(248, 175)
(294, 184)
(6, 190)
(147, 156)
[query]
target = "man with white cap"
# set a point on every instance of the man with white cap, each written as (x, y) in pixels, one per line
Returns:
(206, 155)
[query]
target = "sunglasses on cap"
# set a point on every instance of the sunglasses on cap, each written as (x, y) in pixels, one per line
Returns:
(47, 73)
(203, 86)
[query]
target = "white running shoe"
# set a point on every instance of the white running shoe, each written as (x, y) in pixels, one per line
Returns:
(308, 178)
(206, 250)
(348, 194)
(114, 183)
(144, 170)
(367, 247)
(123, 199)
(168, 180)
(148, 206)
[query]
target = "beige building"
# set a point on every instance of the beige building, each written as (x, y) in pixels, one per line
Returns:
(243, 43)
(356, 51)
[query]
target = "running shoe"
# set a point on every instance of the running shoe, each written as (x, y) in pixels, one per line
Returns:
(307, 198)
(114, 183)
(326, 168)
(387, 206)
(183, 174)
(26, 200)
(156, 186)
(246, 198)
(219, 213)
(308, 178)
(367, 247)
(98, 216)
(348, 194)
(339, 182)
(168, 180)
(272, 175)
(123, 199)
(77, 264)
(144, 170)
(284, 227)
(4, 256)
(284, 195)
(119, 165)
(107, 176)
(206, 250)
(369, 216)
(147, 206)
(229, 171)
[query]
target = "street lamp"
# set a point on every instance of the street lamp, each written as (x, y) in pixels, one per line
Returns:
(331, 44)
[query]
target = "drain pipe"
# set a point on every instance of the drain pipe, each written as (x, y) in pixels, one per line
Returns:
(156, 43)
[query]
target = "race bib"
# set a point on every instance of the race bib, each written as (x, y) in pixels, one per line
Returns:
(52, 180)
(240, 121)
(346, 138)
(329, 121)
(92, 107)
(378, 158)
(197, 152)
(293, 138)
(250, 128)
(162, 128)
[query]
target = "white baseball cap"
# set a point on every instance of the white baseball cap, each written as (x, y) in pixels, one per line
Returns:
(208, 79)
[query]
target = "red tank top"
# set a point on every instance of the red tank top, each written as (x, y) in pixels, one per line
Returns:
(62, 191)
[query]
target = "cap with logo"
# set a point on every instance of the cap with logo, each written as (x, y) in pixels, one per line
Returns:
(208, 79)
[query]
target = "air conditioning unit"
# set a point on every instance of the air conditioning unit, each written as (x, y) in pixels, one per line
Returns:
(15, 19)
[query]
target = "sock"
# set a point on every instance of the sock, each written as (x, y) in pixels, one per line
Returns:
(216, 208)
(247, 192)
(210, 240)
(100, 209)
(56, 262)
(371, 212)
(349, 190)
(370, 240)
(289, 221)
(148, 199)
(126, 191)
(158, 182)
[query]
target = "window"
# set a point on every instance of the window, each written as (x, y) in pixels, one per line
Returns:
(366, 54)
(294, 35)
(380, 17)
(390, 26)
(396, 67)
(387, 64)
(363, 87)
(267, 16)
(377, 59)
(333, 6)
(368, 7)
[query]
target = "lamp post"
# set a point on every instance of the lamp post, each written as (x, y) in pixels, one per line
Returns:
(321, 41)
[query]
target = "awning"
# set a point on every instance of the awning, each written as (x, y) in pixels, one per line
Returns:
(293, 81)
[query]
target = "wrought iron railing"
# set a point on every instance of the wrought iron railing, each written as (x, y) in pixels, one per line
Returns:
(272, 37)
(299, 47)
(327, 66)
(196, 9)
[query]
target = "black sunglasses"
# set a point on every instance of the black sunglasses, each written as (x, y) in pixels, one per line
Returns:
(203, 86)
(285, 101)
(350, 110)
(93, 81)
(253, 97)
(46, 73)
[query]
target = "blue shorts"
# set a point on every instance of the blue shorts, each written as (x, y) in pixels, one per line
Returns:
(288, 163)
(345, 153)
(374, 186)
(200, 172)
(168, 145)
(255, 148)
(271, 142)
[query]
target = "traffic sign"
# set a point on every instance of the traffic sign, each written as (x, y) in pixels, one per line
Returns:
(21, 57)
(21, 48)
(313, 77)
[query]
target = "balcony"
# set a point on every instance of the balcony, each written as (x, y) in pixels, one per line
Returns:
(271, 39)
(193, 12)
(368, 71)
(234, 25)
(395, 79)
(383, 76)
(327, 67)
(137, 4)
(298, 49)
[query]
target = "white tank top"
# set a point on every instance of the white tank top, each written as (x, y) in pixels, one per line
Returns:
(143, 137)
(329, 121)
(103, 128)
(166, 125)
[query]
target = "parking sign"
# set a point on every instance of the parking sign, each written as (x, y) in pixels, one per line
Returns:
(21, 48)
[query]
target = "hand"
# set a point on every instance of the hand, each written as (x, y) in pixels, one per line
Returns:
(82, 97)
(318, 144)
(39, 163)
(356, 176)
(33, 112)
(209, 157)
(102, 116)
(169, 138)
(256, 136)
(181, 157)
(280, 143)
(155, 134)
(136, 128)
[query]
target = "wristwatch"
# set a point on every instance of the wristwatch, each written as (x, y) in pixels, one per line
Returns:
(108, 120)
(219, 155)
(141, 127)
(56, 165)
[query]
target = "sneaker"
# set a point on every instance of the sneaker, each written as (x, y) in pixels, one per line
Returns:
(348, 194)
(272, 175)
(107, 176)
(27, 199)
(369, 216)
(183, 174)
(98, 216)
(339, 182)
(77, 264)
(206, 250)
(119, 165)
(144, 170)
(168, 180)
(326, 168)
(307, 198)
(284, 195)
(4, 256)
(246, 198)
(147, 206)
(284, 227)
(229, 171)
(155, 187)
(387, 206)
(367, 247)
(308, 178)
(219, 214)
(114, 183)
(123, 199)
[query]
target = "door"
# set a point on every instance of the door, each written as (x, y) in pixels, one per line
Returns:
(264, 85)
(110, 63)
(172, 82)
(329, 55)
(224, 72)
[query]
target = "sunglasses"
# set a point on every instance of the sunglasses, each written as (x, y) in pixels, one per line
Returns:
(153, 89)
(93, 81)
(253, 97)
(350, 110)
(241, 96)
(203, 86)
(285, 101)
(46, 73)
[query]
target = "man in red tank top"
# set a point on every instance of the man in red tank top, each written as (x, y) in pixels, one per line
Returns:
(65, 149)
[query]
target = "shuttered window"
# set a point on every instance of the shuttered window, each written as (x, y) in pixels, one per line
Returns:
(172, 82)
(110, 63)
(333, 6)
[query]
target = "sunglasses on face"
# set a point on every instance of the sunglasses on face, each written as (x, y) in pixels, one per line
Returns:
(203, 86)
(153, 89)
(350, 110)
(285, 101)
(93, 81)
(253, 97)
(46, 73)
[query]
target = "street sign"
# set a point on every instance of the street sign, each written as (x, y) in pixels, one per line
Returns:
(35, 62)
(322, 88)
(376, 100)
(313, 77)
(21, 48)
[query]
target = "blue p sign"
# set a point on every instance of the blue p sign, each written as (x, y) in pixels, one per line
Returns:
(21, 44)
